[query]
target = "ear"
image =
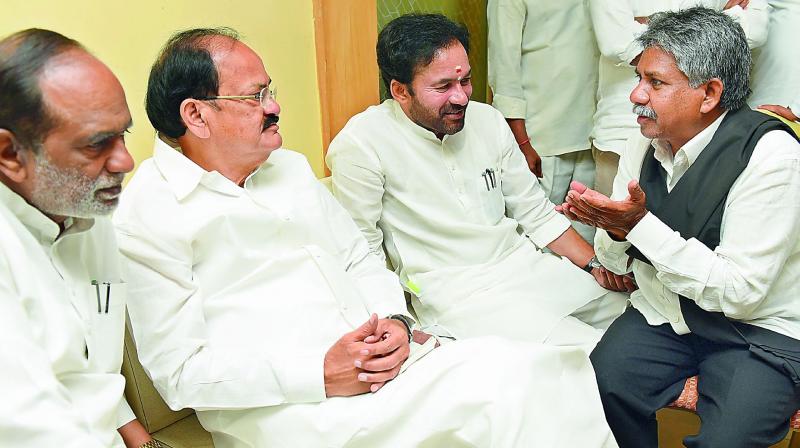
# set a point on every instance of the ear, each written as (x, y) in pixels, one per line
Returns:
(13, 160)
(400, 92)
(713, 95)
(192, 112)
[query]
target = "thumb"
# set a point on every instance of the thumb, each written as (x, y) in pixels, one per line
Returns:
(636, 192)
(367, 328)
(577, 186)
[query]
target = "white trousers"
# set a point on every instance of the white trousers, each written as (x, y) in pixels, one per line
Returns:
(484, 392)
(606, 165)
(557, 173)
(522, 296)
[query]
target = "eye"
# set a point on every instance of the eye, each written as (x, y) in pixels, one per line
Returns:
(656, 82)
(466, 81)
(441, 89)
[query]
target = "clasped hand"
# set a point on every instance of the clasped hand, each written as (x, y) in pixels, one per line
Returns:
(595, 209)
(364, 359)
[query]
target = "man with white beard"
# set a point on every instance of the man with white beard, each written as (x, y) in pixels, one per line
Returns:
(63, 116)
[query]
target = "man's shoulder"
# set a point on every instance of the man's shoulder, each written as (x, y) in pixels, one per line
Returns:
(371, 119)
(484, 117)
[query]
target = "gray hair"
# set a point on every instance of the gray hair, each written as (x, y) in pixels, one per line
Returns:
(706, 44)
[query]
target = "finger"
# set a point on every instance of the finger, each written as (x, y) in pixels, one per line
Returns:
(371, 339)
(386, 346)
(630, 285)
(378, 377)
(538, 168)
(367, 328)
(375, 387)
(616, 281)
(577, 186)
(383, 363)
(635, 191)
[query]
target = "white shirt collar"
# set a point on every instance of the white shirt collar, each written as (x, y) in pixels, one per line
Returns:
(691, 150)
(183, 175)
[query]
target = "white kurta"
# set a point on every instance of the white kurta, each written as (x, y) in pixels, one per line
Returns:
(59, 357)
(776, 65)
(461, 243)
(543, 68)
(752, 275)
(237, 293)
(616, 32)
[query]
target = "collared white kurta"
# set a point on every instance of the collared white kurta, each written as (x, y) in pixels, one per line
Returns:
(461, 241)
(59, 356)
(616, 32)
(237, 293)
(752, 275)
(776, 65)
(543, 68)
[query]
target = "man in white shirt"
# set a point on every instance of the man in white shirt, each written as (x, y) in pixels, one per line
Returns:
(617, 23)
(776, 65)
(256, 301)
(63, 116)
(543, 74)
(440, 183)
(702, 214)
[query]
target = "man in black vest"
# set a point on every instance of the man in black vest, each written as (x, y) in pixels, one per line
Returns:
(705, 215)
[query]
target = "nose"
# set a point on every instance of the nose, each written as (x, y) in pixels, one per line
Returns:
(459, 96)
(639, 94)
(120, 160)
(272, 107)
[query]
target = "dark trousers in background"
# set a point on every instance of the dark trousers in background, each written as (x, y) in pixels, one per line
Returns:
(743, 400)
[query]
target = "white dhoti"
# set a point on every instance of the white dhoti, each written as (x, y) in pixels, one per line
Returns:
(523, 296)
(484, 392)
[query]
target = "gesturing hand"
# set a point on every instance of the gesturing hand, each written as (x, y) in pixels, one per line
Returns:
(612, 281)
(595, 209)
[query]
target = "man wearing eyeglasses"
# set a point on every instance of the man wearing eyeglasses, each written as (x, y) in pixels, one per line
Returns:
(256, 301)
(63, 116)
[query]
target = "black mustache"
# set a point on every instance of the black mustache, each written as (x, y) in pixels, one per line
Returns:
(454, 110)
(270, 120)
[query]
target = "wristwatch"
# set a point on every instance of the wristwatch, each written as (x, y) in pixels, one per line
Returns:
(406, 321)
(593, 263)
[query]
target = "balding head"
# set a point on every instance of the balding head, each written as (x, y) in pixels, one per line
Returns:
(63, 116)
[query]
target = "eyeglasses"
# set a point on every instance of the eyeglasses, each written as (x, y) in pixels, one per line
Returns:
(266, 95)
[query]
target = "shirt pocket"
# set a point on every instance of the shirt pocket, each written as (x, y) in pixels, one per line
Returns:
(107, 325)
(491, 195)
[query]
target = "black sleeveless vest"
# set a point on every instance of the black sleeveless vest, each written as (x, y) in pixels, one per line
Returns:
(694, 208)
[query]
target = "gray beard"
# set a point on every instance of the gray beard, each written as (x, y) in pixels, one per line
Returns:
(68, 192)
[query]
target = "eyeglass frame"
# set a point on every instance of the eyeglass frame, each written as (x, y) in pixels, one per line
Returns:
(272, 94)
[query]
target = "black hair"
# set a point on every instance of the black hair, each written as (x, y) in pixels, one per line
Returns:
(184, 69)
(23, 56)
(411, 41)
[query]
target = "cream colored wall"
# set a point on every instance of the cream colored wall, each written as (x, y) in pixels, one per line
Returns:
(128, 35)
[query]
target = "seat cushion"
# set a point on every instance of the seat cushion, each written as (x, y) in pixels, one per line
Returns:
(185, 433)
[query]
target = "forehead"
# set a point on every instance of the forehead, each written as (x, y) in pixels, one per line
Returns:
(238, 65)
(83, 94)
(656, 60)
(448, 63)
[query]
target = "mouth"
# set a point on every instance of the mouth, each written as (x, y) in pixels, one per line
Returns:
(455, 115)
(641, 119)
(109, 194)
